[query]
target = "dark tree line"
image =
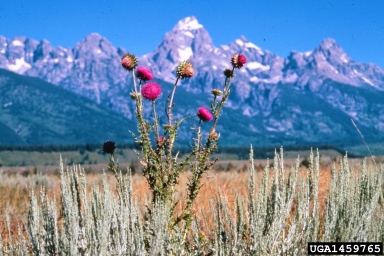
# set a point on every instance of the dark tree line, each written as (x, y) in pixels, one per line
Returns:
(242, 153)
(268, 152)
(62, 148)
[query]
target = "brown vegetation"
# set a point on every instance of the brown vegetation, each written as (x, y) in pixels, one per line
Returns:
(15, 189)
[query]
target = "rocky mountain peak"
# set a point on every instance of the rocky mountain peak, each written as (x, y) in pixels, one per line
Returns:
(18, 41)
(243, 39)
(93, 37)
(330, 51)
(242, 45)
(242, 42)
(329, 61)
(328, 43)
(43, 49)
(296, 60)
(31, 43)
(188, 38)
(94, 46)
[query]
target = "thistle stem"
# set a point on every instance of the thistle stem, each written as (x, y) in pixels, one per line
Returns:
(223, 100)
(134, 80)
(141, 103)
(155, 119)
(225, 85)
(198, 135)
(228, 82)
(170, 102)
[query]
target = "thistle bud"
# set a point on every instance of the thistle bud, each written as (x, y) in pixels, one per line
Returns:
(238, 60)
(144, 164)
(216, 92)
(134, 95)
(129, 61)
(185, 70)
(109, 146)
(213, 135)
(161, 140)
(228, 73)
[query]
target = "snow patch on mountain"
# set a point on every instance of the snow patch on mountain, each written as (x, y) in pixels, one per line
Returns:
(306, 54)
(254, 79)
(20, 66)
(251, 45)
(344, 58)
(7, 104)
(185, 54)
(188, 33)
(239, 42)
(225, 47)
(257, 65)
(18, 43)
(189, 23)
(367, 80)
(247, 111)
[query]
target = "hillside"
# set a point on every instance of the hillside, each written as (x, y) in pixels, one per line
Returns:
(33, 111)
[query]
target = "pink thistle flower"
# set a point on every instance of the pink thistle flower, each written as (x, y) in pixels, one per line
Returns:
(151, 91)
(144, 73)
(242, 59)
(204, 114)
(238, 60)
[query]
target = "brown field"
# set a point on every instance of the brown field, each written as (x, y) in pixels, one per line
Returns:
(229, 176)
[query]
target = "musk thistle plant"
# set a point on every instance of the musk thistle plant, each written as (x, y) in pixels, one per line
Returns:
(159, 162)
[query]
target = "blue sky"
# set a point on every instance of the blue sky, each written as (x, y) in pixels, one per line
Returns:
(139, 26)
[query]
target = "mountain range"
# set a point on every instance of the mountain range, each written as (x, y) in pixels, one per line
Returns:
(306, 97)
(34, 112)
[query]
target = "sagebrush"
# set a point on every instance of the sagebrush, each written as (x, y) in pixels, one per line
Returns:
(278, 218)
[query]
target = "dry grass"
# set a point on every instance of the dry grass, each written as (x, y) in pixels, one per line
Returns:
(15, 189)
